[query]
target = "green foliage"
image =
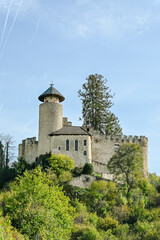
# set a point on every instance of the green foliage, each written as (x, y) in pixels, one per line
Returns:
(85, 233)
(65, 177)
(21, 166)
(61, 163)
(87, 169)
(127, 165)
(42, 160)
(38, 208)
(6, 173)
(107, 223)
(77, 171)
(121, 213)
(7, 232)
(96, 103)
(2, 160)
(155, 181)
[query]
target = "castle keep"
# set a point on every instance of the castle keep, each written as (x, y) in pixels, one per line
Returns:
(57, 135)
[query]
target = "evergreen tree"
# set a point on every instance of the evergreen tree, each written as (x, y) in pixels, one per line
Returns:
(96, 103)
(2, 163)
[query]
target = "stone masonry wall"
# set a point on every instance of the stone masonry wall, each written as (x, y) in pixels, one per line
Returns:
(104, 147)
(28, 149)
(58, 145)
(50, 120)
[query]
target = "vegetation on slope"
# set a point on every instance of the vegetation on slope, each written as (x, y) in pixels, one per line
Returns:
(40, 204)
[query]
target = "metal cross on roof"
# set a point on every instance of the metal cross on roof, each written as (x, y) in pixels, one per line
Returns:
(52, 84)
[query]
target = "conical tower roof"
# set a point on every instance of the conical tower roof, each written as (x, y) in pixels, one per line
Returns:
(51, 91)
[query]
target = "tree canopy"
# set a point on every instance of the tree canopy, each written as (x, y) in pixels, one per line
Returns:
(96, 100)
(127, 164)
(38, 208)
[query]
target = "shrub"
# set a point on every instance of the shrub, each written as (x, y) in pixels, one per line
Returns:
(107, 223)
(7, 232)
(65, 177)
(87, 169)
(61, 163)
(82, 232)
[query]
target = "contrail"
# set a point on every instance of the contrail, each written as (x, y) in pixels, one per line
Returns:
(5, 24)
(36, 29)
(10, 30)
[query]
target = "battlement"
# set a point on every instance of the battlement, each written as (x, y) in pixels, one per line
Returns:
(29, 141)
(28, 149)
(66, 122)
(119, 139)
(142, 140)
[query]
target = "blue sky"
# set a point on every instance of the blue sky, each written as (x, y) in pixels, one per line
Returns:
(65, 41)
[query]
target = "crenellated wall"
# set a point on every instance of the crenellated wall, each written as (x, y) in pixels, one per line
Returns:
(28, 149)
(103, 148)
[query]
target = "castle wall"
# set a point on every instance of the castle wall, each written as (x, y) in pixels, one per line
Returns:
(58, 145)
(104, 147)
(28, 149)
(50, 120)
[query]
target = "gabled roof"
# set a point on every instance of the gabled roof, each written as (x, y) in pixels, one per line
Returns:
(51, 91)
(70, 130)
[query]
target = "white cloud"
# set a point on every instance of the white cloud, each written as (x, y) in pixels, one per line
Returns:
(86, 18)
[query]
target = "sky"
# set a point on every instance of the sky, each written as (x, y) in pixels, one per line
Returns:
(64, 42)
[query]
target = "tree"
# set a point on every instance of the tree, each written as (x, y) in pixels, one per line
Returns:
(38, 208)
(2, 162)
(96, 103)
(127, 165)
(8, 148)
(7, 173)
(87, 169)
(61, 163)
(21, 166)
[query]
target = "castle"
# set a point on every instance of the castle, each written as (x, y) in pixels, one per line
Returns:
(57, 135)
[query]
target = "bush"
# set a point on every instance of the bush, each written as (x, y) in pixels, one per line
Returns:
(7, 232)
(61, 163)
(87, 169)
(77, 171)
(107, 223)
(82, 232)
(65, 177)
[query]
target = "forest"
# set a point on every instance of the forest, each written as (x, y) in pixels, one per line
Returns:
(37, 201)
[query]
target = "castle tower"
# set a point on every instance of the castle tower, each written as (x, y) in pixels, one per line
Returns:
(50, 117)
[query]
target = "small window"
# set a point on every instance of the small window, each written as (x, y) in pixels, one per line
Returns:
(67, 145)
(85, 143)
(59, 148)
(76, 145)
(85, 153)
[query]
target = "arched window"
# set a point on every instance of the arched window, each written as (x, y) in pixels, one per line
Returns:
(85, 153)
(76, 145)
(67, 145)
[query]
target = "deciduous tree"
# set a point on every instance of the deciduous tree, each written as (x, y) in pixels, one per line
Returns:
(127, 165)
(38, 208)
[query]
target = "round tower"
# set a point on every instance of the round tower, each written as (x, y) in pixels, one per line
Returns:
(50, 117)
